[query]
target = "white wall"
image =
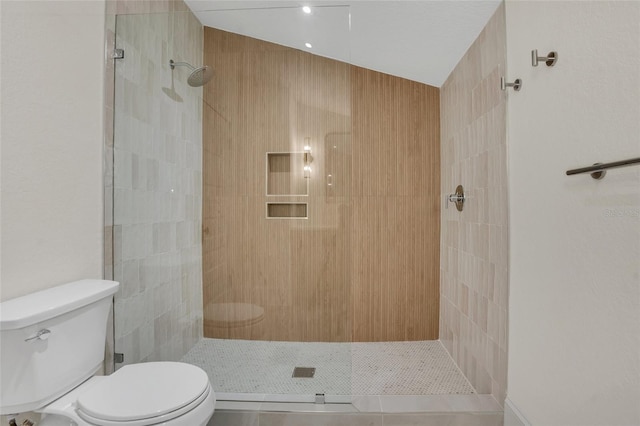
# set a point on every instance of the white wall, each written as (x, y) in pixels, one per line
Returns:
(51, 141)
(574, 308)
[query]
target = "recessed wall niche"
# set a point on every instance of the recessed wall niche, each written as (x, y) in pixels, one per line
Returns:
(287, 211)
(285, 174)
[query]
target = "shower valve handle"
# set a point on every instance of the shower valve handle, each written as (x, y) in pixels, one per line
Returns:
(454, 198)
(458, 198)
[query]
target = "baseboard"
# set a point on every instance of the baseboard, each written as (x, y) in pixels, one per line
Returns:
(513, 416)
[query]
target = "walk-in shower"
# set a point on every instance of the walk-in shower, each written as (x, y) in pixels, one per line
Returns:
(282, 215)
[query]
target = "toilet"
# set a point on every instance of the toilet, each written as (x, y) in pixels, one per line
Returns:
(52, 345)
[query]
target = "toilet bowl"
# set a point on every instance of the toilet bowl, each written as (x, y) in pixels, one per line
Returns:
(53, 345)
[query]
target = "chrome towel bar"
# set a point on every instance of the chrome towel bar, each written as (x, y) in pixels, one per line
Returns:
(598, 170)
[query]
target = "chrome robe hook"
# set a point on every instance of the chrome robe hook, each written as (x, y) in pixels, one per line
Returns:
(550, 59)
(517, 84)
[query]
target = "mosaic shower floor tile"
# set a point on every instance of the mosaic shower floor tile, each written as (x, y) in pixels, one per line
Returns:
(381, 368)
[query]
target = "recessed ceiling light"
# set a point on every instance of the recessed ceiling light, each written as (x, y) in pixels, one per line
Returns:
(306, 9)
(308, 45)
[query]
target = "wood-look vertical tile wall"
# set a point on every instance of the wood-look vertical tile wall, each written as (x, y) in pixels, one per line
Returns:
(364, 265)
(264, 99)
(395, 208)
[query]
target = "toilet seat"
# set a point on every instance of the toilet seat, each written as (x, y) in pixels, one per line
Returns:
(144, 394)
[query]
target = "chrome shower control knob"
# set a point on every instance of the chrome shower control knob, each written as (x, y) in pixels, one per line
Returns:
(458, 198)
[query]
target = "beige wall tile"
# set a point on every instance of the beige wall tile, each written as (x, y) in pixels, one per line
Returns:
(475, 242)
(156, 144)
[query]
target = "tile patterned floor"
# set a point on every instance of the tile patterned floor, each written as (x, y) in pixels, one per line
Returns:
(254, 418)
(387, 368)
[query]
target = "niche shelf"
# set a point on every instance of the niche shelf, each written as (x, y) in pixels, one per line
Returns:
(287, 211)
(285, 174)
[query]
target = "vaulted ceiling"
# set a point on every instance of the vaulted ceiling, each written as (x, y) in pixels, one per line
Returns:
(417, 40)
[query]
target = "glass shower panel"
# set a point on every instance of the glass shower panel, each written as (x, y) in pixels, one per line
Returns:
(157, 187)
(276, 203)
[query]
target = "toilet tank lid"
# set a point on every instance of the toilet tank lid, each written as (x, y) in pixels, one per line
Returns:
(46, 304)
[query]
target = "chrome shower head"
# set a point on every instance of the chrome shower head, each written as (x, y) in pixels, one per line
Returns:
(198, 77)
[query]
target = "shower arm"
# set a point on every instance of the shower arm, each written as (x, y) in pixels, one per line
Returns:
(174, 64)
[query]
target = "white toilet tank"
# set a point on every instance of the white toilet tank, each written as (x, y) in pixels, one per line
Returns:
(51, 341)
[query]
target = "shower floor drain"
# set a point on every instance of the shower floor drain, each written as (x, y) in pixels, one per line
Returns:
(304, 372)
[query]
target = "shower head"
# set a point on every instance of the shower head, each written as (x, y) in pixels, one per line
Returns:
(198, 77)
